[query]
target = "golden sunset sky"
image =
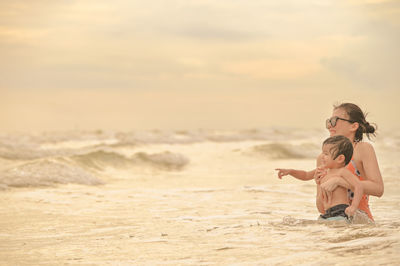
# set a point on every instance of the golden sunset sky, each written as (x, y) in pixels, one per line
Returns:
(186, 64)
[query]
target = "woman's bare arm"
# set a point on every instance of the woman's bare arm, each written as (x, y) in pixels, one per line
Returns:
(358, 190)
(319, 200)
(373, 183)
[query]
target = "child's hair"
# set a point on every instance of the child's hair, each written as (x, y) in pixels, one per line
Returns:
(357, 115)
(340, 145)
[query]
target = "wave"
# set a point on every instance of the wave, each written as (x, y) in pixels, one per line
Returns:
(46, 172)
(165, 160)
(100, 159)
(286, 150)
(84, 139)
(31, 146)
(79, 139)
(195, 136)
(83, 169)
(29, 152)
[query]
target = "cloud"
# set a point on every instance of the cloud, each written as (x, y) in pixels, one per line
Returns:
(193, 44)
(373, 61)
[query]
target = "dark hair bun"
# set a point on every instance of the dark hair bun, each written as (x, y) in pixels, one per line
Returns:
(370, 129)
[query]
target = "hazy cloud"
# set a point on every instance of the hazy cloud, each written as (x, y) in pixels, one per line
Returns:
(185, 63)
(161, 44)
(374, 61)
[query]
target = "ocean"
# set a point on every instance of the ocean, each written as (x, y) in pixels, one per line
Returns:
(200, 197)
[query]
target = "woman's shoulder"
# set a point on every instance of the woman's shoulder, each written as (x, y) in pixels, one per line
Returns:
(364, 148)
(364, 145)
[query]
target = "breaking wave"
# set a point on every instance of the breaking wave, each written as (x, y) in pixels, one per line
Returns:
(18, 151)
(165, 160)
(286, 150)
(84, 168)
(100, 159)
(195, 136)
(46, 172)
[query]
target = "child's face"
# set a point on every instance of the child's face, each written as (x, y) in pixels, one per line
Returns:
(326, 156)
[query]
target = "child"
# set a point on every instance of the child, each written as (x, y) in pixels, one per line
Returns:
(336, 154)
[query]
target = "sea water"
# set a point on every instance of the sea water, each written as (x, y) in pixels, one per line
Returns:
(202, 197)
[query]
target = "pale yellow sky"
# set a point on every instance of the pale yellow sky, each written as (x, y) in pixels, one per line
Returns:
(185, 64)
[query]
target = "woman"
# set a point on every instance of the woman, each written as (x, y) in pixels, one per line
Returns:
(349, 120)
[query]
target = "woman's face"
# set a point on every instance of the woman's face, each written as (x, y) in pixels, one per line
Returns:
(342, 127)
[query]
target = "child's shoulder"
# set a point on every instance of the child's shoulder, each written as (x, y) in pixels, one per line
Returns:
(331, 173)
(338, 171)
(343, 170)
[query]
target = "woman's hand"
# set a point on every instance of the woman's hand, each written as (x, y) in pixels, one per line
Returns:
(320, 172)
(350, 211)
(283, 172)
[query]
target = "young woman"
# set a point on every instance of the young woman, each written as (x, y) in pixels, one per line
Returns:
(349, 120)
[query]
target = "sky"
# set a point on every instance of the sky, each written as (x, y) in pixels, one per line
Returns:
(191, 64)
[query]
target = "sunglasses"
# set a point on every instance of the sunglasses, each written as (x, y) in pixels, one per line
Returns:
(333, 121)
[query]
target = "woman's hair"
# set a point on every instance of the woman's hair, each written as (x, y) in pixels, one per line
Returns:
(357, 115)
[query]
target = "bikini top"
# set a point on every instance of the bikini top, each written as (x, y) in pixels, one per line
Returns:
(357, 173)
(364, 206)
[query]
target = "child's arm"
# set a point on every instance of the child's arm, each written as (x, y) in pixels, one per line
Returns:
(303, 175)
(299, 174)
(330, 185)
(319, 200)
(357, 189)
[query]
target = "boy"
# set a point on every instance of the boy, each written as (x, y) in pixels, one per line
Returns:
(336, 154)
